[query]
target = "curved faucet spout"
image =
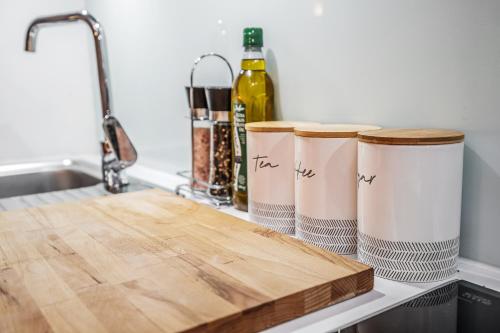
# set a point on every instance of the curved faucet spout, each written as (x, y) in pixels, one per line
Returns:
(118, 152)
(100, 47)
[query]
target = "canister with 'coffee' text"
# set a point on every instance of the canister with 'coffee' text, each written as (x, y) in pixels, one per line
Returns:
(326, 185)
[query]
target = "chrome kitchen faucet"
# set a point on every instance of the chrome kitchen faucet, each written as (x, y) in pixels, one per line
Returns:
(117, 150)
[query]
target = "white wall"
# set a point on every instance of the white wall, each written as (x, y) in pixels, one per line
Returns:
(388, 62)
(47, 99)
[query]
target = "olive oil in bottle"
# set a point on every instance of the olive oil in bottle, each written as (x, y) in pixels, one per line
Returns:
(252, 100)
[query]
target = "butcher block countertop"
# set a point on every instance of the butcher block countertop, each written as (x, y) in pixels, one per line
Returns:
(152, 262)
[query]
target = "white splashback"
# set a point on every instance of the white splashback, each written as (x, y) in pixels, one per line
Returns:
(46, 98)
(398, 63)
(413, 63)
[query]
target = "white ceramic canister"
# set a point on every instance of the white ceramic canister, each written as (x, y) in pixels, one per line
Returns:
(409, 202)
(325, 185)
(270, 159)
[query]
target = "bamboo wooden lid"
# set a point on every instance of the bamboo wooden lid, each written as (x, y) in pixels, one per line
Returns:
(275, 126)
(412, 136)
(332, 130)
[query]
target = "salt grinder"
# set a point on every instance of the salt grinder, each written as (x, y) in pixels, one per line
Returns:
(200, 141)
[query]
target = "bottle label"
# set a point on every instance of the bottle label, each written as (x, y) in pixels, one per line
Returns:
(240, 147)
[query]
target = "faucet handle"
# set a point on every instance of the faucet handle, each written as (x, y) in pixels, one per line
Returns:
(122, 147)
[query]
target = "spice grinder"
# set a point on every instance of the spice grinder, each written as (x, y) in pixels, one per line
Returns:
(219, 106)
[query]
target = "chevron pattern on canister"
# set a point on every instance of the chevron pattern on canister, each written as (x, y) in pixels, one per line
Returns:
(336, 235)
(409, 261)
(278, 217)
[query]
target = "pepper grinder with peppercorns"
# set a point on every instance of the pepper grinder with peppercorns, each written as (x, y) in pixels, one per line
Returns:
(219, 106)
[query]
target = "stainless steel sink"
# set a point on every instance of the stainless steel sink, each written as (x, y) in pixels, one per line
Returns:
(35, 184)
(42, 182)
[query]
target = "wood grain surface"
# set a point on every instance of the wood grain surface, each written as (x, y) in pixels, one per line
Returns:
(275, 126)
(412, 136)
(333, 130)
(153, 262)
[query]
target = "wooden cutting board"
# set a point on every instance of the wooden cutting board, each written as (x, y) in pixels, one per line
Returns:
(153, 262)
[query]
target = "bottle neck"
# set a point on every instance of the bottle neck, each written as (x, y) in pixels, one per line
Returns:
(253, 58)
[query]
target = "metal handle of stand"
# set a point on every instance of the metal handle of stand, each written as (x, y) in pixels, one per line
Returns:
(193, 69)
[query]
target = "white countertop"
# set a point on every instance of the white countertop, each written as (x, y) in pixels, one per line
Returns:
(385, 294)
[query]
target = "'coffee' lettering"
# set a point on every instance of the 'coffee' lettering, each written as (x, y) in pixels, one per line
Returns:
(304, 172)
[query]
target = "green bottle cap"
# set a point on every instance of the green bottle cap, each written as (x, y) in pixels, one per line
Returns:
(253, 37)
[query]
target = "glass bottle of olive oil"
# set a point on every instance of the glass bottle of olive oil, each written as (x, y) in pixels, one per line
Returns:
(252, 100)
